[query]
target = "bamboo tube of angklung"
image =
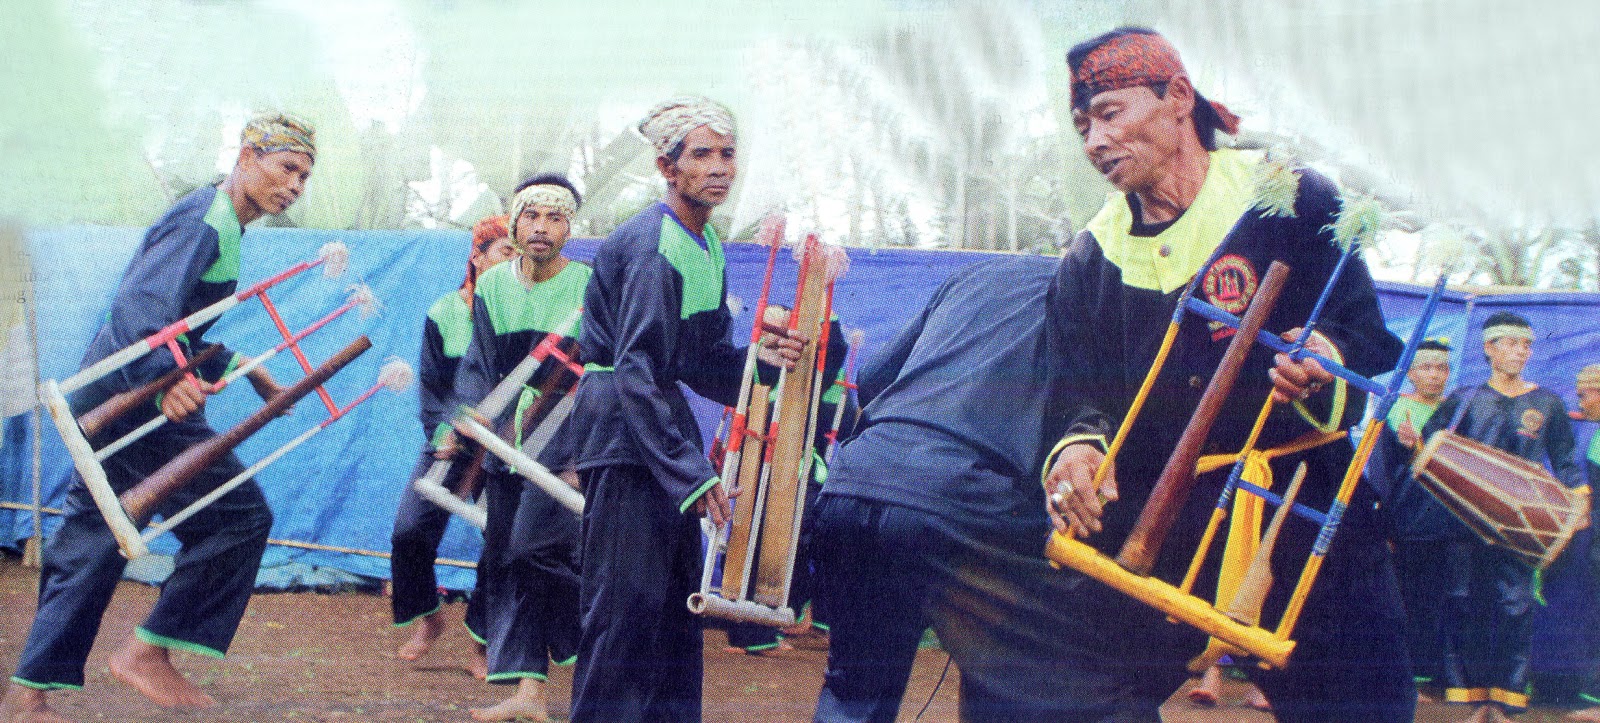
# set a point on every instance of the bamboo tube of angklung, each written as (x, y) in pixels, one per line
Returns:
(141, 500)
(1139, 551)
(94, 420)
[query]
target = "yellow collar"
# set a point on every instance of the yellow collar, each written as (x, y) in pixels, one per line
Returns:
(1228, 192)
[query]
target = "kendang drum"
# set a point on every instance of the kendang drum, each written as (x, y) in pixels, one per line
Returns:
(1505, 499)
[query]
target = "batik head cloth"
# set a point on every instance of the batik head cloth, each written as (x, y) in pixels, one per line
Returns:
(542, 194)
(668, 123)
(1589, 377)
(279, 132)
(1132, 60)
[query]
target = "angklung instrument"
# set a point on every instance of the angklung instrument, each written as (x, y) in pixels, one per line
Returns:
(550, 405)
(769, 451)
(126, 512)
(1233, 622)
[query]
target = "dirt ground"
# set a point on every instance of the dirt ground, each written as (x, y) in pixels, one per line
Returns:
(319, 657)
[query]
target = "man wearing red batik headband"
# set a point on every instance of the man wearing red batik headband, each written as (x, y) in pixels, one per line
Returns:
(1180, 198)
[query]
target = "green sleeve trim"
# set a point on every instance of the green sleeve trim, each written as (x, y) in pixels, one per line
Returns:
(162, 641)
(479, 639)
(439, 433)
(519, 675)
(406, 623)
(233, 363)
(819, 468)
(568, 661)
(24, 682)
(593, 367)
(687, 503)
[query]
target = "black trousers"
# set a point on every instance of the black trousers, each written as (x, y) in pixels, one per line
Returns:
(419, 525)
(640, 658)
(1034, 643)
(1424, 582)
(888, 572)
(529, 571)
(214, 571)
(1488, 625)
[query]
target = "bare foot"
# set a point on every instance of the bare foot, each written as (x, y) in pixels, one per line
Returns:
(1480, 714)
(528, 703)
(423, 633)
(478, 667)
(1257, 700)
(1209, 689)
(1587, 714)
(28, 705)
(148, 669)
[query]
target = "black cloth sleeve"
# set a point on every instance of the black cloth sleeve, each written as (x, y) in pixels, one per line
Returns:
(1080, 380)
(883, 367)
(477, 372)
(1560, 443)
(435, 384)
(647, 339)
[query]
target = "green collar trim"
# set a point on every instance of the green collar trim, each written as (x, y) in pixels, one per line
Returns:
(702, 270)
(514, 307)
(1228, 192)
(454, 319)
(225, 220)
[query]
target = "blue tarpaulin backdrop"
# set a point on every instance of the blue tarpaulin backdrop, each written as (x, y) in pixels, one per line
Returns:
(340, 489)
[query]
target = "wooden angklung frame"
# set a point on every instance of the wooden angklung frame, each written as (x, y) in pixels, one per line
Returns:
(1235, 626)
(555, 354)
(769, 454)
(126, 512)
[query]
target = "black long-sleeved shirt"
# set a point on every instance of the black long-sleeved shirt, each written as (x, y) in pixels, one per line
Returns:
(1112, 301)
(509, 319)
(655, 314)
(954, 405)
(188, 261)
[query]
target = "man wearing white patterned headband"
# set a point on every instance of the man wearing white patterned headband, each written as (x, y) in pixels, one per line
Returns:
(188, 260)
(655, 314)
(1421, 524)
(529, 567)
(1487, 620)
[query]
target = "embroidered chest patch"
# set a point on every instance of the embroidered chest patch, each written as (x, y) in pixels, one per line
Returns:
(1229, 285)
(1532, 422)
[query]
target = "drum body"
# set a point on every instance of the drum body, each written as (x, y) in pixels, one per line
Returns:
(1505, 499)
